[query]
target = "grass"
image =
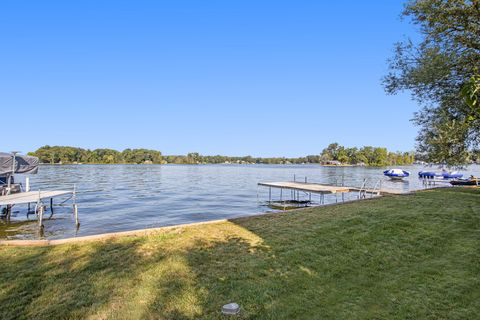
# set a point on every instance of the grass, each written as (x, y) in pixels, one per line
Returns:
(399, 257)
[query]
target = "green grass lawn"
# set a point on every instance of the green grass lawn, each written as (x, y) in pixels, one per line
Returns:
(401, 257)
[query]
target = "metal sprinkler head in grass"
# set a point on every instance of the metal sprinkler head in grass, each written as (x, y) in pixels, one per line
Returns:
(231, 308)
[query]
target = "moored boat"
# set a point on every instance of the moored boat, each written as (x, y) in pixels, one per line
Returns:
(472, 181)
(444, 174)
(451, 175)
(396, 174)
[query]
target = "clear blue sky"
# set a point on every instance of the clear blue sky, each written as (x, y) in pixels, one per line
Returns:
(264, 78)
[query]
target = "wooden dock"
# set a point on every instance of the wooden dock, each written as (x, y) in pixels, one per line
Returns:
(326, 189)
(307, 187)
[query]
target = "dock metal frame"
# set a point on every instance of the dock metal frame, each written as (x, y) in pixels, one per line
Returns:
(308, 188)
(37, 197)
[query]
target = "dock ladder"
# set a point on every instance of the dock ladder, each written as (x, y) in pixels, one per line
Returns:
(362, 192)
(377, 187)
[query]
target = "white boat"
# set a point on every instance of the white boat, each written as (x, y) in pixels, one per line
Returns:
(396, 174)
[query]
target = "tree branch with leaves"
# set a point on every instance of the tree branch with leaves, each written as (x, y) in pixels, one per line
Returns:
(441, 72)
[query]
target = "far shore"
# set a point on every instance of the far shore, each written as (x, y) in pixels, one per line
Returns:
(261, 164)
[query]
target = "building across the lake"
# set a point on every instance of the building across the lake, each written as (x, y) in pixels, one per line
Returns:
(331, 163)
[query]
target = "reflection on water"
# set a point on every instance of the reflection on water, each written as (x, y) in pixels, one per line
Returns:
(126, 197)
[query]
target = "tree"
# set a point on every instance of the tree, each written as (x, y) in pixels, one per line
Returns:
(471, 94)
(107, 156)
(438, 71)
(142, 156)
(342, 155)
(193, 158)
(330, 152)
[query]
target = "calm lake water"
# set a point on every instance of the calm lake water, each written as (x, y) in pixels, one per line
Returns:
(127, 197)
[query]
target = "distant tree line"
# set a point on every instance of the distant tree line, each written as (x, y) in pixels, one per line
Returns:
(369, 156)
(334, 153)
(196, 158)
(61, 154)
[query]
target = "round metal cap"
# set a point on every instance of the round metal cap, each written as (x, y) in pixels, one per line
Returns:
(231, 308)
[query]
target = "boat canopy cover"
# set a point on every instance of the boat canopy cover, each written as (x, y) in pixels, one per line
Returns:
(396, 171)
(23, 164)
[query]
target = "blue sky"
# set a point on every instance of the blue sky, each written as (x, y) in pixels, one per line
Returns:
(264, 78)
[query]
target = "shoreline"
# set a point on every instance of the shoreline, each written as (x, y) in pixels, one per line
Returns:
(150, 231)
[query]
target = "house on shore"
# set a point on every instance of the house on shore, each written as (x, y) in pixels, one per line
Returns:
(331, 163)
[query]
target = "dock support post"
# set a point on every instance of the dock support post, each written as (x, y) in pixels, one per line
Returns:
(270, 194)
(27, 189)
(40, 217)
(75, 212)
(75, 207)
(9, 212)
(281, 194)
(39, 212)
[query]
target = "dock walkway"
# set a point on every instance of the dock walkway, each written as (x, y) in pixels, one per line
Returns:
(30, 196)
(307, 187)
(325, 189)
(36, 197)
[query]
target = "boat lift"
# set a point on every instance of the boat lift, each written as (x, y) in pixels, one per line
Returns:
(12, 194)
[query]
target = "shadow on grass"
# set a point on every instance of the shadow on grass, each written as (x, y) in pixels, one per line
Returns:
(63, 282)
(146, 278)
(396, 257)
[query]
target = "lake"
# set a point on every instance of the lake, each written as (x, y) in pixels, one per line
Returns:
(127, 197)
